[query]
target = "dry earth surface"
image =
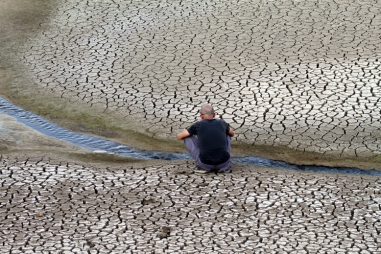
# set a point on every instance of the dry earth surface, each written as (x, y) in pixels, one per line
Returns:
(57, 198)
(281, 73)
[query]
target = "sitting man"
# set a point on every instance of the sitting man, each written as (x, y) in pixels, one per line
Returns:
(211, 147)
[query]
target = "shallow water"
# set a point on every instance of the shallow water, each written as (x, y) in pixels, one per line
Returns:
(96, 144)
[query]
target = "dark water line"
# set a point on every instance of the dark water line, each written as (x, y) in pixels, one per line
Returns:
(88, 142)
(93, 144)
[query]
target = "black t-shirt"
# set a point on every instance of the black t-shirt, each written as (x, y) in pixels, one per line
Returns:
(212, 141)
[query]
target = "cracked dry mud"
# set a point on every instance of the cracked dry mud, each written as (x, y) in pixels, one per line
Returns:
(55, 207)
(301, 74)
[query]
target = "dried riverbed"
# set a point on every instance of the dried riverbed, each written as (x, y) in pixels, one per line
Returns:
(296, 79)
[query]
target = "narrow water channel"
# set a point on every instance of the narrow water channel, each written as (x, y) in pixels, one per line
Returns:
(96, 144)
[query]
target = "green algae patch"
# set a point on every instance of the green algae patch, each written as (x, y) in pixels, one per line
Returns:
(21, 18)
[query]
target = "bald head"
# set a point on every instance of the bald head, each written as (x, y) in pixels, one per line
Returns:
(208, 111)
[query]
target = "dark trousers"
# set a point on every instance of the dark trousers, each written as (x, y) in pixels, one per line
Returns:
(191, 144)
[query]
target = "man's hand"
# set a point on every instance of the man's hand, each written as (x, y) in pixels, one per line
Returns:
(231, 132)
(183, 134)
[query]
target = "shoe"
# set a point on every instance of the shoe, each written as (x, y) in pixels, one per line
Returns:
(200, 171)
(224, 171)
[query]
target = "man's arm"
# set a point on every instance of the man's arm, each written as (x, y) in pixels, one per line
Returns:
(231, 132)
(183, 134)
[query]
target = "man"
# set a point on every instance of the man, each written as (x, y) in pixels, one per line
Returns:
(211, 147)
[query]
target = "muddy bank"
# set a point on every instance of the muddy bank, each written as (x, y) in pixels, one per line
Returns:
(16, 138)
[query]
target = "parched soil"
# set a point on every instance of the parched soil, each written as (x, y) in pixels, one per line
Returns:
(20, 20)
